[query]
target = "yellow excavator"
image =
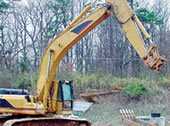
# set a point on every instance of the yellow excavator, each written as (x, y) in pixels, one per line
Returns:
(53, 102)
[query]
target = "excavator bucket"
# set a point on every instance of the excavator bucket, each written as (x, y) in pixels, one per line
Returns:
(153, 60)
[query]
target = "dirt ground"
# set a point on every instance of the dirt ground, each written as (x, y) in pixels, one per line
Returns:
(106, 111)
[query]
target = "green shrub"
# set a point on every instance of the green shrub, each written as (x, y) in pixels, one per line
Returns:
(134, 90)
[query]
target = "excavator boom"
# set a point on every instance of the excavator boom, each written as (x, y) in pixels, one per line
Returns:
(88, 19)
(60, 46)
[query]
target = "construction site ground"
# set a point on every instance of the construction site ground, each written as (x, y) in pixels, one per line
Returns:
(106, 111)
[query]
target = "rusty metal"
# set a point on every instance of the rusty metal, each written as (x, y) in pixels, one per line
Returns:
(43, 121)
(92, 96)
(153, 60)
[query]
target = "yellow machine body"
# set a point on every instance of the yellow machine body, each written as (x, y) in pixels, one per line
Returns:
(20, 104)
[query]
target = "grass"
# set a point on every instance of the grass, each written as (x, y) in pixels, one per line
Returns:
(156, 99)
(85, 82)
(107, 112)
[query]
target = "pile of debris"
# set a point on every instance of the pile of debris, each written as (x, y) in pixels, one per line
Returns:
(93, 95)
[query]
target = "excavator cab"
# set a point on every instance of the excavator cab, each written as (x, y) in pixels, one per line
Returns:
(65, 94)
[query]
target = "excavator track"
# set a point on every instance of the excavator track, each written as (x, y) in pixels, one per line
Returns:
(3, 119)
(44, 121)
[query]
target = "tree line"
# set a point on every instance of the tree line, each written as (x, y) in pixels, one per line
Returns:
(27, 28)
